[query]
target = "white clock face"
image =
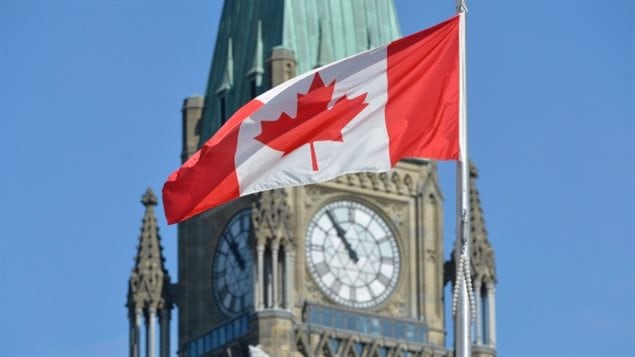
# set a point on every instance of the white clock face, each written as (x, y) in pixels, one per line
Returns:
(233, 265)
(352, 254)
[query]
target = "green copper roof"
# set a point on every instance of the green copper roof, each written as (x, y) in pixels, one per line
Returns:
(317, 31)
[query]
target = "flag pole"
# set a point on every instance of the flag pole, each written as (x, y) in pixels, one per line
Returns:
(463, 298)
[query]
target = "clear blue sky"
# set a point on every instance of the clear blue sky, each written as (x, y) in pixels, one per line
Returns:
(90, 97)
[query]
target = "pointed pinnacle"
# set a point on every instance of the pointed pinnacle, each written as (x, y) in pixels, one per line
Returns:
(257, 69)
(230, 62)
(228, 75)
(473, 170)
(149, 199)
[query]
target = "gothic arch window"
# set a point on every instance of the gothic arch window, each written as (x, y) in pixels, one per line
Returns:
(222, 107)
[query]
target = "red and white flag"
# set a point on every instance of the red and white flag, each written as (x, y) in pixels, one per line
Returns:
(362, 113)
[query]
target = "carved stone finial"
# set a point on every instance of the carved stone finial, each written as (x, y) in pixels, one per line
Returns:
(271, 217)
(149, 199)
(149, 281)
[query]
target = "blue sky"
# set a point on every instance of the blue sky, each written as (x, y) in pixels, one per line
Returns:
(90, 97)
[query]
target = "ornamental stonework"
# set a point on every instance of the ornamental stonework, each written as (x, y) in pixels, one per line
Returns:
(392, 182)
(271, 216)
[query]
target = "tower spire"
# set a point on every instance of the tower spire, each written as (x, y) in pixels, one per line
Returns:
(483, 275)
(257, 69)
(148, 288)
(483, 264)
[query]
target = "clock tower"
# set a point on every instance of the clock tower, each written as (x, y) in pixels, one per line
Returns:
(349, 267)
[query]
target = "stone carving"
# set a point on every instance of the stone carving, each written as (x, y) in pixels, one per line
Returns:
(431, 255)
(271, 217)
(387, 185)
(409, 183)
(394, 182)
(312, 293)
(352, 180)
(312, 196)
(397, 307)
(374, 180)
(483, 263)
(396, 212)
(363, 179)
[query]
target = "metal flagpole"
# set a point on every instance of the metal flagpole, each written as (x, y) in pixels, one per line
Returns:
(463, 306)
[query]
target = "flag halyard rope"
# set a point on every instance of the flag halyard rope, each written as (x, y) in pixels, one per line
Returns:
(464, 273)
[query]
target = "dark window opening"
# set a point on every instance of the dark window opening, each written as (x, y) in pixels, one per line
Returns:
(223, 109)
(253, 90)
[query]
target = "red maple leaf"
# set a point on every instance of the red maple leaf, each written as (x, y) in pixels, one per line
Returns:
(314, 121)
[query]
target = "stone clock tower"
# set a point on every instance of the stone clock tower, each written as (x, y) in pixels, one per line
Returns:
(349, 267)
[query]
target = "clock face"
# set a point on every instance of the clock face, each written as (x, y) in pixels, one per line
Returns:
(352, 254)
(233, 265)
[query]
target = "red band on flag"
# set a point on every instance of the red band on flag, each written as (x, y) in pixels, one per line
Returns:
(423, 94)
(208, 178)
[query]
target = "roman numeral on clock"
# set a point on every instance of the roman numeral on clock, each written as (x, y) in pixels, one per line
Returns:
(321, 268)
(387, 260)
(336, 286)
(316, 247)
(353, 293)
(383, 279)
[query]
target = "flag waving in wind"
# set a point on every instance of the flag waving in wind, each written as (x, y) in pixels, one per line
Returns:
(362, 113)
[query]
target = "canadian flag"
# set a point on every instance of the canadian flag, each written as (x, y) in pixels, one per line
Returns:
(362, 113)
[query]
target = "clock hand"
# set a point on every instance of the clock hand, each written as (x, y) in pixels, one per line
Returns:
(342, 234)
(239, 259)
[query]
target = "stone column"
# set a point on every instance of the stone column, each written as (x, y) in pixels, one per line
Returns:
(254, 284)
(269, 285)
(275, 286)
(289, 262)
(260, 288)
(164, 322)
(478, 299)
(135, 322)
(491, 309)
(150, 338)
